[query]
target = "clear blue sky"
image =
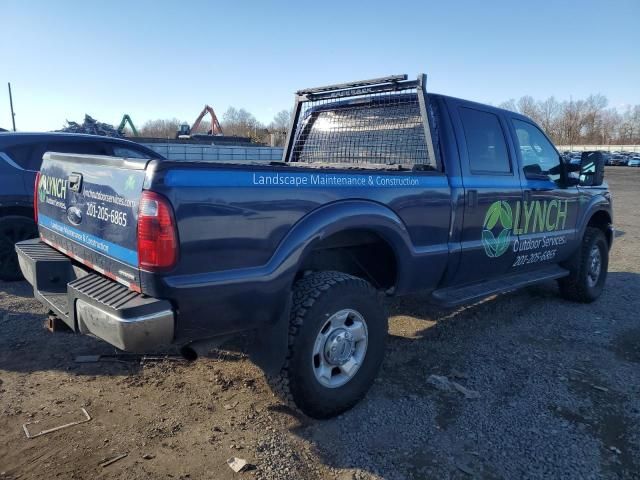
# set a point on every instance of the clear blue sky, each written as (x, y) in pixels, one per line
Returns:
(156, 59)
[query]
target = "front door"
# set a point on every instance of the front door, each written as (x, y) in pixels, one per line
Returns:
(492, 192)
(547, 217)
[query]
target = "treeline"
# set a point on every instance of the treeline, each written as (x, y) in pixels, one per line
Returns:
(570, 122)
(236, 122)
(577, 122)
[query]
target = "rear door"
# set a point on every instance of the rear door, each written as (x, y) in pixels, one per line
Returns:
(492, 192)
(87, 207)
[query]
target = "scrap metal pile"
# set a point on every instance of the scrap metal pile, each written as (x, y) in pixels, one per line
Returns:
(92, 127)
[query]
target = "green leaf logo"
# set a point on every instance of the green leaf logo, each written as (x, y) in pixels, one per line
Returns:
(42, 188)
(496, 240)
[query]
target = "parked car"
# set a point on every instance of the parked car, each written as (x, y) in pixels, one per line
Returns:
(575, 158)
(607, 157)
(20, 159)
(634, 162)
(384, 190)
(618, 159)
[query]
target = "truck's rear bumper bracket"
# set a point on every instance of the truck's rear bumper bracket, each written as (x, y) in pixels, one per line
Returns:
(92, 304)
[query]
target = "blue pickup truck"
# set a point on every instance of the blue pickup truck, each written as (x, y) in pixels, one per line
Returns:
(383, 189)
(20, 159)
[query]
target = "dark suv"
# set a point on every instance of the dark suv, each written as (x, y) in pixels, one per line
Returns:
(20, 159)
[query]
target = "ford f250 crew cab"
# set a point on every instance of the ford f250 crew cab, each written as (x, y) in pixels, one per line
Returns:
(383, 189)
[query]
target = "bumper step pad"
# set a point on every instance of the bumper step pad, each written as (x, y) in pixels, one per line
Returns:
(92, 304)
(125, 319)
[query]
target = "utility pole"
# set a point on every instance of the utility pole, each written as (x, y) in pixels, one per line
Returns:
(13, 115)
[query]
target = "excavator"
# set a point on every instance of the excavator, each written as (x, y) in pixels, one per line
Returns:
(127, 119)
(186, 131)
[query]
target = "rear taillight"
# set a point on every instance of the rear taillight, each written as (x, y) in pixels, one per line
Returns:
(157, 236)
(35, 197)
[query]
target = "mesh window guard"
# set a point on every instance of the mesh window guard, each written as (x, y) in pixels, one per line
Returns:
(363, 127)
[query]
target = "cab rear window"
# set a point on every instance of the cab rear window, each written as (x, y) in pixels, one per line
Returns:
(89, 148)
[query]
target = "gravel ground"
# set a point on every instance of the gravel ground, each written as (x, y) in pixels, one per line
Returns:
(559, 387)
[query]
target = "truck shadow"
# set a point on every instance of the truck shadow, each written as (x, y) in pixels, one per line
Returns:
(406, 427)
(27, 347)
(18, 289)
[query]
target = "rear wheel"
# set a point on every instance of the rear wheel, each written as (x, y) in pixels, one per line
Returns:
(588, 268)
(13, 229)
(337, 338)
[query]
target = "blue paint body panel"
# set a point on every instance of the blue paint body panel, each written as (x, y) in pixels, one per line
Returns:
(245, 230)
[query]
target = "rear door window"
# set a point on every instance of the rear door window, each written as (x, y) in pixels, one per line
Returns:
(486, 146)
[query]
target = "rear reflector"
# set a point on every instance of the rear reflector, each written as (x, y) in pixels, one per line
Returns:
(157, 236)
(35, 197)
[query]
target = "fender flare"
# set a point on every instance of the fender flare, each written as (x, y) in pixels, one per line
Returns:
(340, 216)
(597, 204)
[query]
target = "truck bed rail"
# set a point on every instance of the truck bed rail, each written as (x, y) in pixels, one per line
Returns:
(361, 83)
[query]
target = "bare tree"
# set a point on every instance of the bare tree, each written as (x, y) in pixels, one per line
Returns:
(281, 121)
(509, 105)
(241, 123)
(548, 111)
(278, 128)
(528, 106)
(160, 128)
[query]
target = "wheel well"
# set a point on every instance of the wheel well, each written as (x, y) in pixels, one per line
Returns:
(362, 253)
(16, 210)
(602, 221)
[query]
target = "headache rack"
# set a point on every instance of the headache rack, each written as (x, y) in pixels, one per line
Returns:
(369, 123)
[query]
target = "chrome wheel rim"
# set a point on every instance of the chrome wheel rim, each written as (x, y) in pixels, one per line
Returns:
(595, 266)
(340, 348)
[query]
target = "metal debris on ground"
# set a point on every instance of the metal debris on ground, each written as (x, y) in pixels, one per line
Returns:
(465, 468)
(148, 456)
(443, 384)
(127, 357)
(113, 460)
(468, 394)
(457, 374)
(231, 406)
(162, 358)
(440, 382)
(55, 429)
(238, 464)
(92, 127)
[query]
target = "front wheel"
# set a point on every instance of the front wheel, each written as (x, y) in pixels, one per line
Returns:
(337, 338)
(588, 268)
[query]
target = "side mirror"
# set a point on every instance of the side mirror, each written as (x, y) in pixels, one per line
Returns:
(534, 172)
(591, 169)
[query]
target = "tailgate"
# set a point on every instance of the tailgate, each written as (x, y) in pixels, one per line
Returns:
(88, 208)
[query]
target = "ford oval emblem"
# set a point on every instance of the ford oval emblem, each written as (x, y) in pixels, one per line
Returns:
(74, 214)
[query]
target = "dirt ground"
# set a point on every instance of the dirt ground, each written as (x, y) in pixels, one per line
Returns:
(558, 384)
